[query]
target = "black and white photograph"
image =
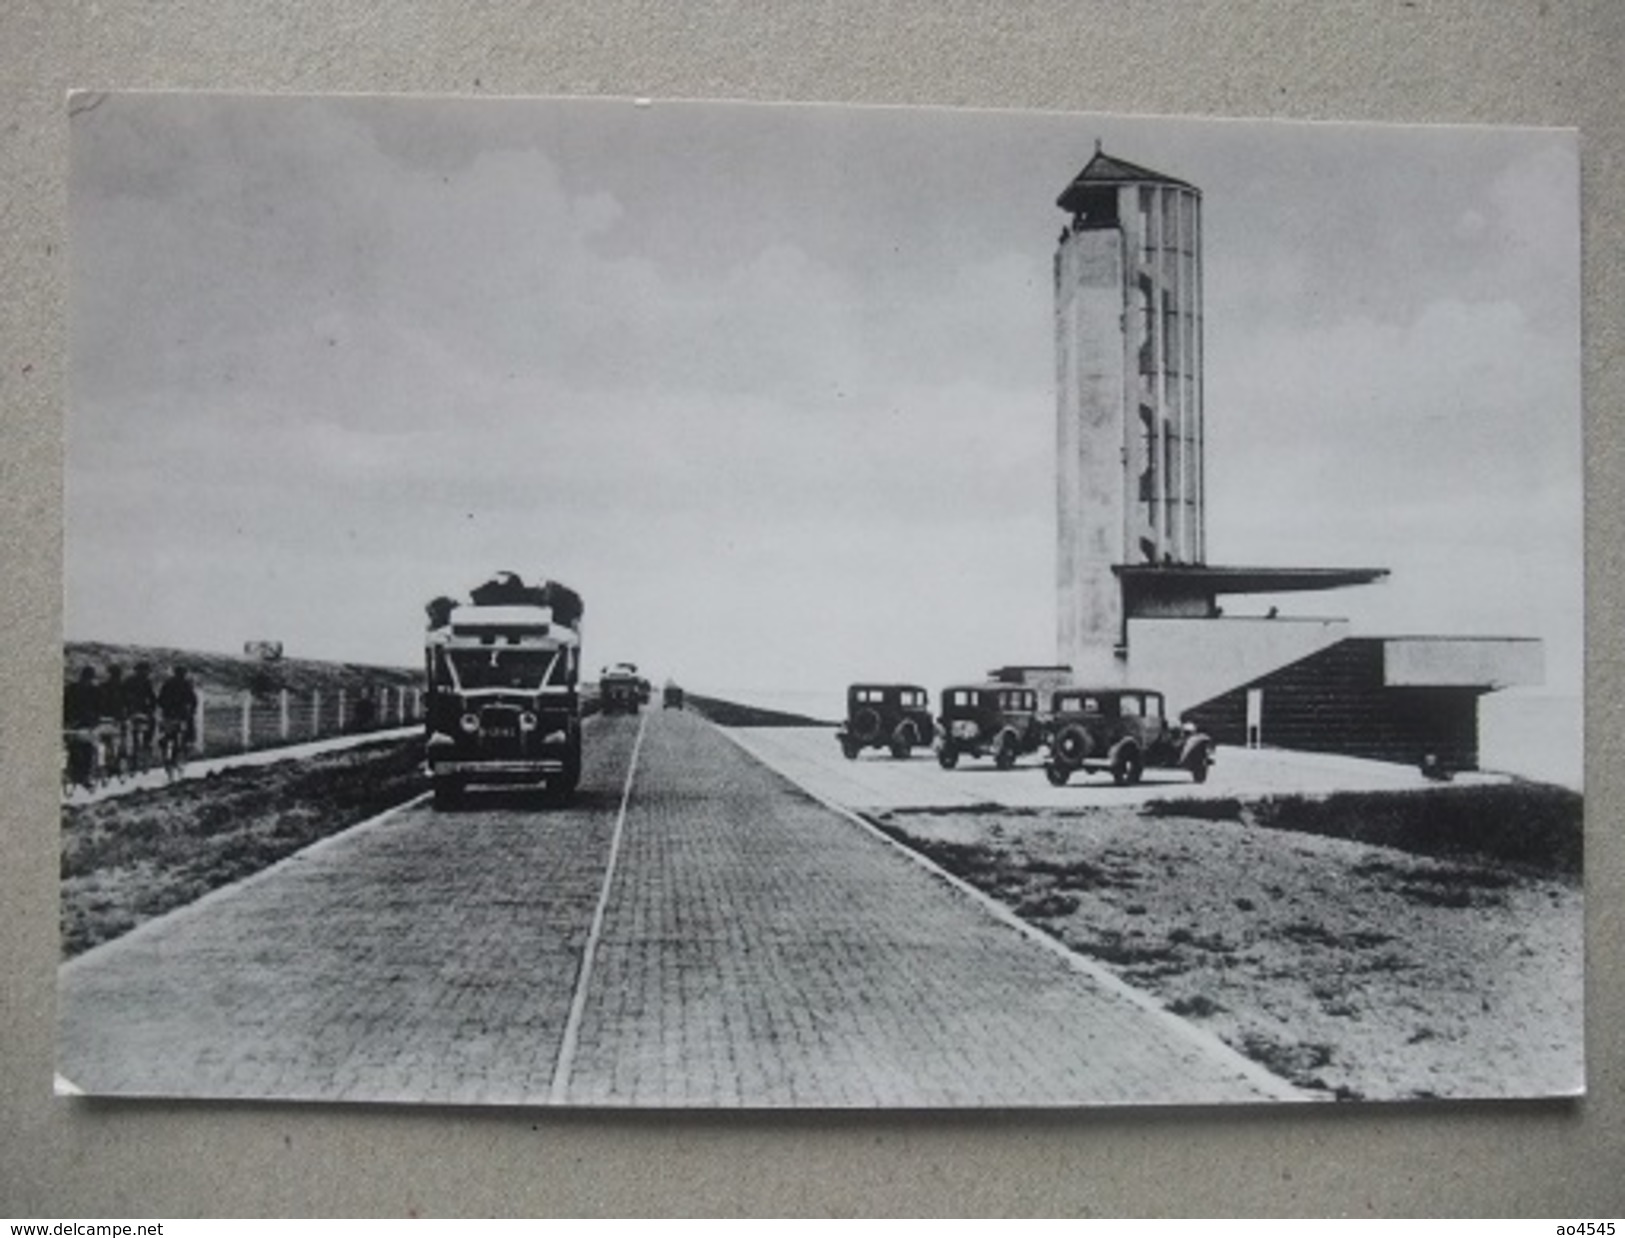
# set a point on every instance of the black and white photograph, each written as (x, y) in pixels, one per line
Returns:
(642, 604)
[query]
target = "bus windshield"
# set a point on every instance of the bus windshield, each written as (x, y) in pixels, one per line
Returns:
(526, 669)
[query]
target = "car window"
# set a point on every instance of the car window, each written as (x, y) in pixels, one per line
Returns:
(1130, 706)
(1153, 707)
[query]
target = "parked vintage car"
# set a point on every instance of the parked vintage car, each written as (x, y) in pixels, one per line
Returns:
(988, 719)
(894, 716)
(1123, 730)
(671, 697)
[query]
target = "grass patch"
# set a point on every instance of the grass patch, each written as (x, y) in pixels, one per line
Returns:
(1308, 932)
(981, 808)
(135, 856)
(1046, 906)
(1301, 1061)
(1529, 824)
(1198, 1006)
(1226, 809)
(230, 675)
(1533, 825)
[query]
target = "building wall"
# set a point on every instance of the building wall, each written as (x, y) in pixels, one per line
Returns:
(1162, 235)
(1193, 660)
(1090, 380)
(1471, 662)
(1336, 701)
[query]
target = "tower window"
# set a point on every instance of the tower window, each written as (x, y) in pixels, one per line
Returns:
(1148, 327)
(1093, 208)
(1148, 453)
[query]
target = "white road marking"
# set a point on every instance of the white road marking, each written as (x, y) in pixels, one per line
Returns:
(578, 1002)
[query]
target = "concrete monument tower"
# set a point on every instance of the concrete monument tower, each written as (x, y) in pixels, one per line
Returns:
(1128, 348)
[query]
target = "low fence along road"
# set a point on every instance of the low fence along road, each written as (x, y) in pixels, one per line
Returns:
(243, 722)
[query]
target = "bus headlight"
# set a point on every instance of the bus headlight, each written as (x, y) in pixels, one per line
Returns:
(527, 721)
(470, 723)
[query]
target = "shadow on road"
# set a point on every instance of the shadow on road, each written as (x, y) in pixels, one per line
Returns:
(532, 799)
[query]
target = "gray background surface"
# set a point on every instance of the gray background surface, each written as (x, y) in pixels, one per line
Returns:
(1466, 61)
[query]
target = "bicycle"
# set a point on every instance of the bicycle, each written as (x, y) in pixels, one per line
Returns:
(139, 752)
(109, 751)
(173, 740)
(80, 762)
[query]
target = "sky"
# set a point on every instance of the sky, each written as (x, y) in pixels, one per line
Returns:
(772, 386)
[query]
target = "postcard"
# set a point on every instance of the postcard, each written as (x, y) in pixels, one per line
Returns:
(624, 603)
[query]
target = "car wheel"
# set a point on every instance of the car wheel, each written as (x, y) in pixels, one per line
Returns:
(1198, 759)
(900, 748)
(1127, 767)
(947, 756)
(560, 789)
(849, 747)
(866, 724)
(1005, 755)
(1072, 745)
(1057, 775)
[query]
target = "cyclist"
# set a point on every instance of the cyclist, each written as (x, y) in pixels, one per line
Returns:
(140, 710)
(177, 706)
(81, 713)
(113, 732)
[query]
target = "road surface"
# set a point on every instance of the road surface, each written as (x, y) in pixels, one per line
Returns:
(693, 930)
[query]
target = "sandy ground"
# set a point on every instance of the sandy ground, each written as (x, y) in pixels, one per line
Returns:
(1364, 971)
(1359, 970)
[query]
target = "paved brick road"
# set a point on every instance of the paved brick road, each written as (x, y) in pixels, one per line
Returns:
(760, 950)
(754, 948)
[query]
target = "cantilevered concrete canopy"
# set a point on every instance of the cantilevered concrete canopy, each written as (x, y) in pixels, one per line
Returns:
(1217, 580)
(1192, 590)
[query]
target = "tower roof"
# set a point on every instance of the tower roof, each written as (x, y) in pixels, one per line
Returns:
(1106, 169)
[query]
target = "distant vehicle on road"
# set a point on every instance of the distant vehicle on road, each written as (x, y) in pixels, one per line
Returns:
(989, 719)
(1123, 730)
(620, 690)
(503, 707)
(671, 697)
(894, 716)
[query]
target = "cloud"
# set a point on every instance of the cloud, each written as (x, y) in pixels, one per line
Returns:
(773, 387)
